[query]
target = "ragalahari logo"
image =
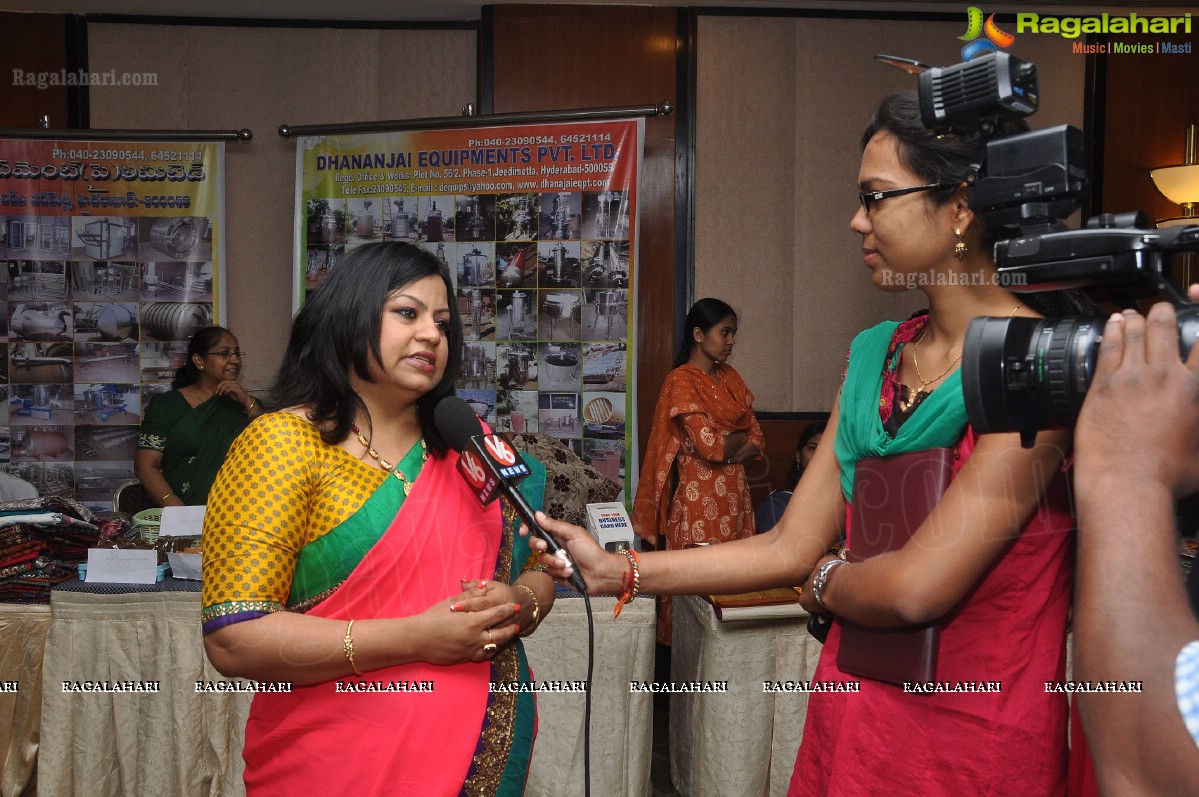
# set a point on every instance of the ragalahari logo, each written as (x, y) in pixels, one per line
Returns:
(993, 37)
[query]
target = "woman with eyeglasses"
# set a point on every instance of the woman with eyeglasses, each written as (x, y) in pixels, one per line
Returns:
(991, 565)
(187, 431)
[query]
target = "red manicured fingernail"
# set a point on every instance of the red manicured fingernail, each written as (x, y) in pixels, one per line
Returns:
(482, 585)
(457, 607)
(517, 609)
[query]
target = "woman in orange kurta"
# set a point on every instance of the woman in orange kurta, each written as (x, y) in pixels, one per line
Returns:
(693, 486)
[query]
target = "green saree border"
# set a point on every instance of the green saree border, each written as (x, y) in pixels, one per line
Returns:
(325, 563)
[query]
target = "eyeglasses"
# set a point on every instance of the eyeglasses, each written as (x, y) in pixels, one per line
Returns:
(226, 353)
(870, 198)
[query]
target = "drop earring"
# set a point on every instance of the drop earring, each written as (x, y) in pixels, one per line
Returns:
(959, 249)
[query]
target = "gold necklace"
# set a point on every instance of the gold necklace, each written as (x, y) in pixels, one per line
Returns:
(395, 469)
(926, 382)
(904, 405)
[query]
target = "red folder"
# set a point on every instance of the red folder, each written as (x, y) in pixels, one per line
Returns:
(892, 496)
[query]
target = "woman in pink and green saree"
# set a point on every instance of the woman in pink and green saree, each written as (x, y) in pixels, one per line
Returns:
(344, 555)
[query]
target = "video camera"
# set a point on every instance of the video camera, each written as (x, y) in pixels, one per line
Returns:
(1027, 374)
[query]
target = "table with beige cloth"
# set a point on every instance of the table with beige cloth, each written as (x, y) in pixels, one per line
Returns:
(181, 742)
(743, 743)
(621, 723)
(176, 743)
(22, 636)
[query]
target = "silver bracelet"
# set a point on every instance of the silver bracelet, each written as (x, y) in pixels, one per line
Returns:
(821, 579)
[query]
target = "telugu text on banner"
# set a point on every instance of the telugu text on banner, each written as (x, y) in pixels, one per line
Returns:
(112, 254)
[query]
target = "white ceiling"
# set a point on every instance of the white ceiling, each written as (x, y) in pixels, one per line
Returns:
(469, 10)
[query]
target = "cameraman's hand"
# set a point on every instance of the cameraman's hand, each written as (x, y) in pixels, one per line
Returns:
(1140, 419)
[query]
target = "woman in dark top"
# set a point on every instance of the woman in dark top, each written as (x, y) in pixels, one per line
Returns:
(187, 431)
(776, 503)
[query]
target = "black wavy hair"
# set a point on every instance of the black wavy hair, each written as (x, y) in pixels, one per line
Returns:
(201, 342)
(338, 329)
(943, 159)
(705, 314)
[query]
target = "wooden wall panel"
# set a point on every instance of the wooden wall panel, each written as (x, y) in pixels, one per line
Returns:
(1149, 100)
(770, 473)
(277, 80)
(780, 104)
(559, 57)
(33, 43)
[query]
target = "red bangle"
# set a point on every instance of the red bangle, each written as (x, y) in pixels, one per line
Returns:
(629, 591)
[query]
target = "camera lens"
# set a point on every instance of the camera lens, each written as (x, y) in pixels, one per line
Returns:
(1025, 374)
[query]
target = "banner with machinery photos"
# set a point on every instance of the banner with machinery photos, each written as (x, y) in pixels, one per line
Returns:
(113, 257)
(537, 224)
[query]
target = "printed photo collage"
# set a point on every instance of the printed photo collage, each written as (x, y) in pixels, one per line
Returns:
(95, 316)
(542, 284)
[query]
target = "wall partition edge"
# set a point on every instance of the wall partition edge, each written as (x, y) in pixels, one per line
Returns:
(78, 97)
(684, 225)
(485, 64)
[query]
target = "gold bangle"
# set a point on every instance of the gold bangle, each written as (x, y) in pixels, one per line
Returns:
(347, 644)
(168, 495)
(536, 608)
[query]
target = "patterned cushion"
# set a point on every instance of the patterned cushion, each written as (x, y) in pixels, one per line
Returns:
(570, 483)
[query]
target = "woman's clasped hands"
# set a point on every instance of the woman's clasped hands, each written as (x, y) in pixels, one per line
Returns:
(472, 625)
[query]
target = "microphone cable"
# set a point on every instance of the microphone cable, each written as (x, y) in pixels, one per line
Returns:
(461, 427)
(587, 696)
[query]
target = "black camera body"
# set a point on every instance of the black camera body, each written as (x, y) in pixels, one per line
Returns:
(1028, 374)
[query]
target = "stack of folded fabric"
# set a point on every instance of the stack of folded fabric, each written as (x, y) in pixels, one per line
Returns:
(42, 542)
(18, 549)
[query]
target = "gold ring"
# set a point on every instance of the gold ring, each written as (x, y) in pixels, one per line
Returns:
(488, 632)
(489, 647)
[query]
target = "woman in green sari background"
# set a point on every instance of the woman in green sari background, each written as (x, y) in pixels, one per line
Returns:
(187, 431)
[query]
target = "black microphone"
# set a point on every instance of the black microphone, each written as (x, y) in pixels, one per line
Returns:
(490, 464)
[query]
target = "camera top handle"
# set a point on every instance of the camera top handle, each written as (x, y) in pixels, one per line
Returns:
(1113, 250)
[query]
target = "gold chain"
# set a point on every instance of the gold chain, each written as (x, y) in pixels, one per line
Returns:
(926, 382)
(395, 469)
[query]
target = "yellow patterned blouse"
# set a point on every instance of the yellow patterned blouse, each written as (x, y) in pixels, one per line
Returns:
(281, 488)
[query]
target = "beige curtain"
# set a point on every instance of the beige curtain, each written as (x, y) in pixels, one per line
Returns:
(182, 742)
(743, 742)
(621, 722)
(22, 639)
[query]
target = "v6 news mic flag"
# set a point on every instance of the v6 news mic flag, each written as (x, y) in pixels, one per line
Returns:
(505, 463)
